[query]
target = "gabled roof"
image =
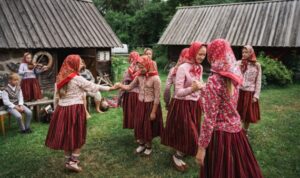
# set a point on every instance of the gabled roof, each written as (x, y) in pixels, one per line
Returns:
(265, 23)
(53, 24)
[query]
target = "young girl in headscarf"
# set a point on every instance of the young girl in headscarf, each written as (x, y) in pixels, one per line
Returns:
(149, 52)
(224, 150)
(248, 105)
(148, 121)
(172, 76)
(184, 113)
(67, 130)
(29, 84)
(130, 98)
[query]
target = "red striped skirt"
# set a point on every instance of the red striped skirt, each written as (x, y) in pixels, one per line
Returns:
(67, 130)
(229, 155)
(144, 128)
(129, 104)
(183, 126)
(248, 110)
(31, 89)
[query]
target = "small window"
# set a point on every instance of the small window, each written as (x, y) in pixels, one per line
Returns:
(103, 56)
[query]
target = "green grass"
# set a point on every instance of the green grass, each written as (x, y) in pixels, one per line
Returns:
(109, 148)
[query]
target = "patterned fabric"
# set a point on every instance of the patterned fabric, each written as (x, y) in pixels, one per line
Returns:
(223, 61)
(251, 59)
(13, 95)
(150, 66)
(191, 58)
(252, 78)
(132, 69)
(76, 89)
(220, 111)
(149, 88)
(183, 56)
(184, 80)
(68, 70)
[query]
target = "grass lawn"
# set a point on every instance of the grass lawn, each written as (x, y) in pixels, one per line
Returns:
(109, 148)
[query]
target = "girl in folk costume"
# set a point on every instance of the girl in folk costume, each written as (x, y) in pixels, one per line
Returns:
(148, 122)
(184, 113)
(30, 85)
(130, 98)
(248, 105)
(224, 149)
(149, 52)
(172, 76)
(67, 130)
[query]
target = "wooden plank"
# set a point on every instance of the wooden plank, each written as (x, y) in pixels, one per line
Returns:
(13, 25)
(20, 23)
(55, 38)
(35, 25)
(6, 30)
(86, 27)
(59, 18)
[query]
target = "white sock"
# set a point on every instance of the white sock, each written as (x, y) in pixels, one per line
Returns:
(177, 161)
(147, 151)
(140, 148)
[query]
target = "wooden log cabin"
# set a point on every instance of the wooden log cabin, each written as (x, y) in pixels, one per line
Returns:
(270, 26)
(56, 28)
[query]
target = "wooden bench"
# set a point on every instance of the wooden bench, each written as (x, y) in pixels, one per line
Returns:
(37, 104)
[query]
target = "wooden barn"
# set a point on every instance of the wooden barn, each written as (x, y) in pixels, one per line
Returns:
(269, 26)
(53, 29)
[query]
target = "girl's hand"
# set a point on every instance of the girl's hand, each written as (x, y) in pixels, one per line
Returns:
(152, 116)
(200, 156)
(254, 100)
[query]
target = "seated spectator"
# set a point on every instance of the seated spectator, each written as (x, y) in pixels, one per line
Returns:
(13, 100)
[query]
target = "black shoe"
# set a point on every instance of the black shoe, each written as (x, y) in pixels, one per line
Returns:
(23, 132)
(28, 130)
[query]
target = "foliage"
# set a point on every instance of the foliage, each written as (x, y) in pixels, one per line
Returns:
(274, 71)
(119, 65)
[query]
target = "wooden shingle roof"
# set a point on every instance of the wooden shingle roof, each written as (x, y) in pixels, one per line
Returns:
(266, 23)
(53, 24)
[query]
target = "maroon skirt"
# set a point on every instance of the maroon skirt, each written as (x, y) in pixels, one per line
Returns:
(229, 155)
(144, 128)
(248, 110)
(129, 104)
(31, 89)
(183, 126)
(67, 130)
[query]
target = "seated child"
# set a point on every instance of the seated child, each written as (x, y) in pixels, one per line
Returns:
(13, 100)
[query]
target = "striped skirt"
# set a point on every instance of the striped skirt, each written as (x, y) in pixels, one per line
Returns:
(31, 89)
(229, 155)
(248, 110)
(183, 126)
(144, 128)
(129, 104)
(67, 130)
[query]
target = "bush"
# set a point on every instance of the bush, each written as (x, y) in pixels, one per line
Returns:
(119, 65)
(274, 72)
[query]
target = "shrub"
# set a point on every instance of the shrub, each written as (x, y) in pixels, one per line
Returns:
(274, 72)
(119, 65)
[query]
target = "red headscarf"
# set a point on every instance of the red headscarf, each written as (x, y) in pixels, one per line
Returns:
(149, 65)
(133, 58)
(223, 61)
(68, 70)
(252, 58)
(193, 50)
(183, 56)
(24, 57)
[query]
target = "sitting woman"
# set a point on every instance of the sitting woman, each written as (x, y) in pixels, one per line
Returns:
(85, 73)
